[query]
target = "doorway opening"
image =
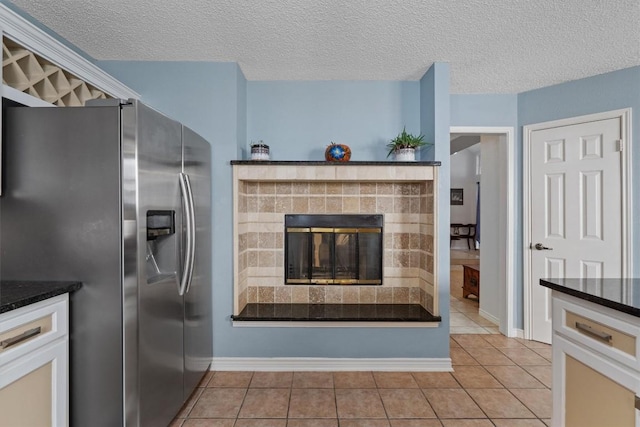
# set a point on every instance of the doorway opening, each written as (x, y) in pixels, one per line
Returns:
(482, 187)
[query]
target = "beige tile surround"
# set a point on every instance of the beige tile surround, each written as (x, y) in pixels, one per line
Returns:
(404, 194)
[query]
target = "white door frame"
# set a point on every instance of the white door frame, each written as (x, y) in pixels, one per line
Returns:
(627, 202)
(506, 325)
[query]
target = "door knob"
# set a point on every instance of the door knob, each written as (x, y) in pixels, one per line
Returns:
(541, 247)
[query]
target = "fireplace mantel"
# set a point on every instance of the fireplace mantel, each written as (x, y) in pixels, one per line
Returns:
(325, 163)
(403, 192)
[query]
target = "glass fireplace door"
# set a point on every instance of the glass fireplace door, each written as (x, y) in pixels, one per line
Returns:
(370, 256)
(298, 255)
(326, 255)
(346, 258)
(322, 253)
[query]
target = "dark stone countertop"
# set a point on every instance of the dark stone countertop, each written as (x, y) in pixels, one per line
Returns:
(325, 163)
(619, 294)
(16, 294)
(336, 312)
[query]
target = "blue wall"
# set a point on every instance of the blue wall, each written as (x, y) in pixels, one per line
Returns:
(241, 112)
(484, 110)
(434, 124)
(201, 95)
(205, 97)
(498, 110)
(298, 119)
(605, 92)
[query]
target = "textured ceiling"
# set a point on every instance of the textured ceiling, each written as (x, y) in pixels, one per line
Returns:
(493, 46)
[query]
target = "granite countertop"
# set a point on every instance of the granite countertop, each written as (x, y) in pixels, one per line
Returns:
(335, 312)
(619, 294)
(16, 294)
(325, 163)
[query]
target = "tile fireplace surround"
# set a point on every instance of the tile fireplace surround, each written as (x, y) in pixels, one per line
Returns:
(404, 193)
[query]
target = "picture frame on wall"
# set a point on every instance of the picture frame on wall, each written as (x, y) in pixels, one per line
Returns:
(457, 196)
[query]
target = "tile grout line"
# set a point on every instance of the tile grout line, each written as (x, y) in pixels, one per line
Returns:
(504, 386)
(377, 386)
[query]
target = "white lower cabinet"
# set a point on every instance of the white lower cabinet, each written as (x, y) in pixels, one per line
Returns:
(34, 348)
(596, 376)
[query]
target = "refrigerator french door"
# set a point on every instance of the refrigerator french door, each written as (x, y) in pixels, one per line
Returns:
(99, 194)
(152, 143)
(198, 331)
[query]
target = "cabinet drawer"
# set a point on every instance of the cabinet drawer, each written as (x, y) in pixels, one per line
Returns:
(30, 327)
(607, 331)
(603, 333)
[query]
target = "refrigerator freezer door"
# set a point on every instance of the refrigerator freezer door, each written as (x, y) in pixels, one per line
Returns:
(61, 221)
(198, 327)
(157, 147)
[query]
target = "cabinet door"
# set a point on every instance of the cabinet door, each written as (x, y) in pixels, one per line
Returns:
(33, 389)
(593, 391)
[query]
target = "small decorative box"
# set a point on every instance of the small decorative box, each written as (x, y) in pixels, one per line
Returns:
(259, 151)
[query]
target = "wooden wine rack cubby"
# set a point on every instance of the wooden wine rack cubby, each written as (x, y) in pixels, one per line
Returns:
(30, 73)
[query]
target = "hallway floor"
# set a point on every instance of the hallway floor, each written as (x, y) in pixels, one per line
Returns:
(464, 311)
(497, 381)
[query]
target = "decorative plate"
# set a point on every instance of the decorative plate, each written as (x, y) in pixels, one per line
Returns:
(337, 153)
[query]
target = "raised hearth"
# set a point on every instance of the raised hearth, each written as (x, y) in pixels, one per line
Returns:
(336, 313)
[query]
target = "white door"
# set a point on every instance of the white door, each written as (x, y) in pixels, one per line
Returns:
(575, 210)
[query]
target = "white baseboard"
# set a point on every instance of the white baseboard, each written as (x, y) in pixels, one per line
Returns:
(330, 364)
(491, 318)
(516, 333)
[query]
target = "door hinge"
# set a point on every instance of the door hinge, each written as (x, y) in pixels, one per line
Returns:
(620, 144)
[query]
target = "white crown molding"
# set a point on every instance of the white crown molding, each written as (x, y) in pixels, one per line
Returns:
(331, 364)
(33, 38)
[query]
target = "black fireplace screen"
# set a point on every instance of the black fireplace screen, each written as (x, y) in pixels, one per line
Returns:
(333, 249)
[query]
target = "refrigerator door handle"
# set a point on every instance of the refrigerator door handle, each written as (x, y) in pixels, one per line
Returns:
(188, 253)
(192, 213)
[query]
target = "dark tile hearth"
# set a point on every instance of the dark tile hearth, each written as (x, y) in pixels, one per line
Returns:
(336, 312)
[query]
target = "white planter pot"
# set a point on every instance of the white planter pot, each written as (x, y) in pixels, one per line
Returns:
(405, 155)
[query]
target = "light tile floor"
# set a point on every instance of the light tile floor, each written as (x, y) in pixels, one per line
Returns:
(464, 317)
(497, 381)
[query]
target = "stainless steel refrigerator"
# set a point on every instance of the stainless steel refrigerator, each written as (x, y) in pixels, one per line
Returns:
(117, 196)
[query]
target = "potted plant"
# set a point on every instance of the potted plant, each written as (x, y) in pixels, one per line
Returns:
(404, 146)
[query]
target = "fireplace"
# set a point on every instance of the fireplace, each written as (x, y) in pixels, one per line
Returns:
(393, 263)
(333, 249)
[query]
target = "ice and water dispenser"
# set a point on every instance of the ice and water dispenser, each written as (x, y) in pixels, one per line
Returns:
(162, 259)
